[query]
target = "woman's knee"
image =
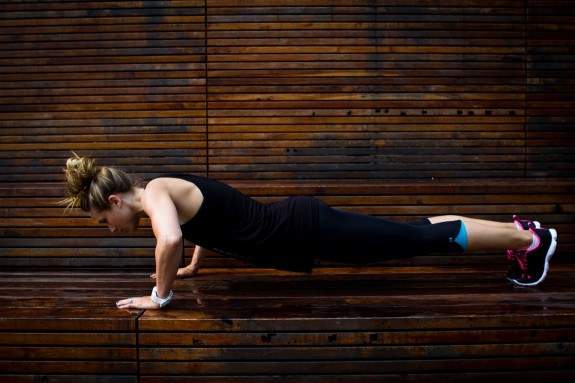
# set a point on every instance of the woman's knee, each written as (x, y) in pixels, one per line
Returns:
(445, 236)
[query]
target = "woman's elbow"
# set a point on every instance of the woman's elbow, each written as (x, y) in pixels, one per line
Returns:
(170, 241)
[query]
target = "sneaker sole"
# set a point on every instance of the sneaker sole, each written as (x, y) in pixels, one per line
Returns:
(548, 256)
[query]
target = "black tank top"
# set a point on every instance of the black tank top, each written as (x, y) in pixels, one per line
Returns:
(282, 234)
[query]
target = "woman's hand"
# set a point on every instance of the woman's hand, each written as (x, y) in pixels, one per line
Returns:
(183, 272)
(144, 302)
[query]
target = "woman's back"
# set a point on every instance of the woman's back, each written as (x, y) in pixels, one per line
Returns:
(282, 234)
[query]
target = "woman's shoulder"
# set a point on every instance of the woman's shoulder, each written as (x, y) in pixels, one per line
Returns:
(185, 194)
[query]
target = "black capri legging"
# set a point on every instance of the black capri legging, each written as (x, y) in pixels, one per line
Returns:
(360, 238)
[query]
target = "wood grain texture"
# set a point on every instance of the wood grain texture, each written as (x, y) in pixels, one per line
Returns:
(421, 322)
(365, 90)
(550, 100)
(383, 322)
(398, 109)
(53, 328)
(327, 93)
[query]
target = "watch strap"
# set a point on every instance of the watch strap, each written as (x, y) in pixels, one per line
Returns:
(161, 301)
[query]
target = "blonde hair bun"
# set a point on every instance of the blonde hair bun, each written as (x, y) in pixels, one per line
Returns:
(89, 185)
(79, 172)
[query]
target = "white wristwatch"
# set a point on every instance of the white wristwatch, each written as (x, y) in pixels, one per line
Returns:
(161, 301)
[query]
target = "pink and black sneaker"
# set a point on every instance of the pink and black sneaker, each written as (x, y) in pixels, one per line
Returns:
(531, 267)
(521, 224)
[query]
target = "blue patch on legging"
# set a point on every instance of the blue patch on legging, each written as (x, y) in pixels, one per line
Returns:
(461, 238)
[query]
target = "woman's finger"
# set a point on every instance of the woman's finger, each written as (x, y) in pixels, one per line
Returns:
(125, 303)
(153, 275)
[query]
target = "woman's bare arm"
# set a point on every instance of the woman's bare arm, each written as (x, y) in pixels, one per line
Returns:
(167, 257)
(193, 267)
(198, 254)
(169, 244)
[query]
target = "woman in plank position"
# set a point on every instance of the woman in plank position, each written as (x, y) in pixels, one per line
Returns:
(287, 234)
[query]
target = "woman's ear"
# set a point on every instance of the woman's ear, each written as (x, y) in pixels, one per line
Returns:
(114, 199)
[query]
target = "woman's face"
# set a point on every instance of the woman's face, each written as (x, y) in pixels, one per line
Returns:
(119, 217)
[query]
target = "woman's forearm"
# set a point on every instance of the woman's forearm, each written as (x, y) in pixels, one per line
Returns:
(167, 261)
(198, 254)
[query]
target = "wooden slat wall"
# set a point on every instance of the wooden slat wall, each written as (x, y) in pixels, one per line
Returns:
(303, 94)
(123, 82)
(550, 96)
(362, 89)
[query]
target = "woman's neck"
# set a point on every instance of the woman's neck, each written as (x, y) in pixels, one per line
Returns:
(136, 201)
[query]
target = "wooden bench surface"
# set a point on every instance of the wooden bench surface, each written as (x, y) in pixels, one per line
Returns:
(354, 322)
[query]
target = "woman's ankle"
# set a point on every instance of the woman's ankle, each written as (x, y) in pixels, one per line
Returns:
(525, 239)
